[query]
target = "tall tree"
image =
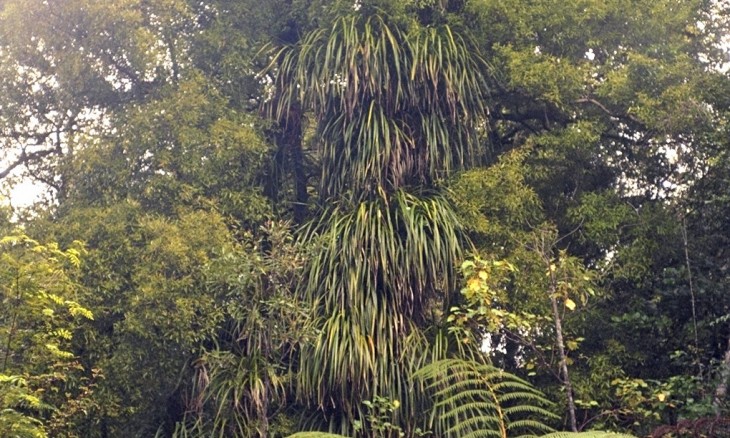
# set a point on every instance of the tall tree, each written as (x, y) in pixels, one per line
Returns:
(397, 93)
(616, 112)
(67, 66)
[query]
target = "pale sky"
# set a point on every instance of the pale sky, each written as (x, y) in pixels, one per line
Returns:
(23, 195)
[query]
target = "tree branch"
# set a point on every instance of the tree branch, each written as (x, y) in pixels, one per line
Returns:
(25, 158)
(610, 113)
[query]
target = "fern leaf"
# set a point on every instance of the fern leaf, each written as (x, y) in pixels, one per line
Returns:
(474, 399)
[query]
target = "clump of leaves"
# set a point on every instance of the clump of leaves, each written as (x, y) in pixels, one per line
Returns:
(479, 400)
(42, 385)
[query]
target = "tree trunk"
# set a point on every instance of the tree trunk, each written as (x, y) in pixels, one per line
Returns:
(293, 134)
(290, 157)
(721, 389)
(561, 351)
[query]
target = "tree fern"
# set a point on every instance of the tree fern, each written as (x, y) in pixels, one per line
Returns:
(473, 399)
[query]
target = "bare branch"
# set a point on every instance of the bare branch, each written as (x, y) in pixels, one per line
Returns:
(26, 158)
(607, 111)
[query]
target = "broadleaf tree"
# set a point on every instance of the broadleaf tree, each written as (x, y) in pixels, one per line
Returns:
(276, 198)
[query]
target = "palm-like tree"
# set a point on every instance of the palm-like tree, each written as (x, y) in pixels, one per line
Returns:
(397, 106)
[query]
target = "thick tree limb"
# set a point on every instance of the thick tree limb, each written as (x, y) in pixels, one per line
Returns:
(607, 111)
(25, 158)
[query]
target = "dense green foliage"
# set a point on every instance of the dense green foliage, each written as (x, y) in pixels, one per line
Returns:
(373, 218)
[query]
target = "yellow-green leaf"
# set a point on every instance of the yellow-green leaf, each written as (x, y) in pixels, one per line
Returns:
(570, 304)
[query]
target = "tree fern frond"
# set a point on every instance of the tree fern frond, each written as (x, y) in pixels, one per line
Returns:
(479, 433)
(477, 398)
(531, 425)
(483, 423)
(468, 409)
(519, 395)
(525, 410)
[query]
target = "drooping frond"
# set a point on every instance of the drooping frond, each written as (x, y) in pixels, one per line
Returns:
(395, 250)
(237, 389)
(396, 105)
(393, 106)
(377, 269)
(473, 399)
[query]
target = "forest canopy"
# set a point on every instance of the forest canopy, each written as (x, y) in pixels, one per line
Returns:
(372, 218)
